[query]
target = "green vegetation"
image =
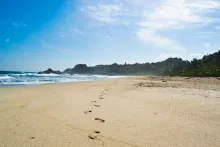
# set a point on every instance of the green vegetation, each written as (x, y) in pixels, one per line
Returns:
(209, 65)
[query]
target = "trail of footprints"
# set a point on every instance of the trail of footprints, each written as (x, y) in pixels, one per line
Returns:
(95, 134)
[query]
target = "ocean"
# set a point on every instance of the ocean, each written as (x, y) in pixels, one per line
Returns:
(9, 78)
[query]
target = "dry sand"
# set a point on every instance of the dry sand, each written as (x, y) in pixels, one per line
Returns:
(134, 111)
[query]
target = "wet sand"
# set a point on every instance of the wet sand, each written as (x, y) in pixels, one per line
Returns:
(124, 112)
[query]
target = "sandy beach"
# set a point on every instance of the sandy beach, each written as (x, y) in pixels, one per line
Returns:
(123, 112)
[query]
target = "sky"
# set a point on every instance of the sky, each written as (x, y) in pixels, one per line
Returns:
(38, 34)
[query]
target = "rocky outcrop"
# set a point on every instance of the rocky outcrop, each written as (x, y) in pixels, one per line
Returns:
(68, 71)
(79, 69)
(50, 71)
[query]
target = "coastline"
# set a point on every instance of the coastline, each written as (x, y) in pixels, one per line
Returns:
(129, 111)
(8, 79)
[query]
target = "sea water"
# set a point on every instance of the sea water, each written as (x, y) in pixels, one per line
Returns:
(8, 78)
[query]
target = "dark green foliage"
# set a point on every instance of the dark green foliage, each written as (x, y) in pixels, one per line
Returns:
(164, 67)
(209, 65)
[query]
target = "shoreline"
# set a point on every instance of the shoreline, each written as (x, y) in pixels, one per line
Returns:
(121, 112)
(38, 84)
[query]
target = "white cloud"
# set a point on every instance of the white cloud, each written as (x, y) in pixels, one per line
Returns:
(151, 17)
(161, 14)
(151, 37)
(173, 14)
(15, 24)
(181, 14)
(104, 13)
(7, 40)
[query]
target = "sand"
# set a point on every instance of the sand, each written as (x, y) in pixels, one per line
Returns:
(124, 112)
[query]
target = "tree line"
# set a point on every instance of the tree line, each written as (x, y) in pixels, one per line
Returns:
(209, 65)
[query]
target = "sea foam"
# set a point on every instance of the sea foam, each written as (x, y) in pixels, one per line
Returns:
(28, 78)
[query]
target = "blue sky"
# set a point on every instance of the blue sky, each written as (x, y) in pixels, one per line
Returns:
(37, 34)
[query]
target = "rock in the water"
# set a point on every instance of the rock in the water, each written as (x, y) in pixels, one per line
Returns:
(50, 71)
(218, 78)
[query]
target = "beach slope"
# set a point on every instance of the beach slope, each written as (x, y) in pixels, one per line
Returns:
(123, 112)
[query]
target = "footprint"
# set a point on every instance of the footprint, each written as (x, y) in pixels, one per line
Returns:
(100, 120)
(94, 135)
(93, 101)
(86, 112)
(96, 105)
(32, 137)
(101, 98)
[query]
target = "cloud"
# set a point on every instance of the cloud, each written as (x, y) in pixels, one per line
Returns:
(161, 14)
(177, 15)
(151, 18)
(173, 14)
(7, 40)
(15, 24)
(104, 13)
(155, 39)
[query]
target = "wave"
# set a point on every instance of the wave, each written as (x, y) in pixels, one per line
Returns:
(6, 77)
(47, 75)
(24, 74)
(36, 79)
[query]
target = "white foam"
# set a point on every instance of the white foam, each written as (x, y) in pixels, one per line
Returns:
(5, 77)
(36, 79)
(47, 75)
(25, 74)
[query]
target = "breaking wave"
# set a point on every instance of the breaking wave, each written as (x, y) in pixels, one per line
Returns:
(28, 78)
